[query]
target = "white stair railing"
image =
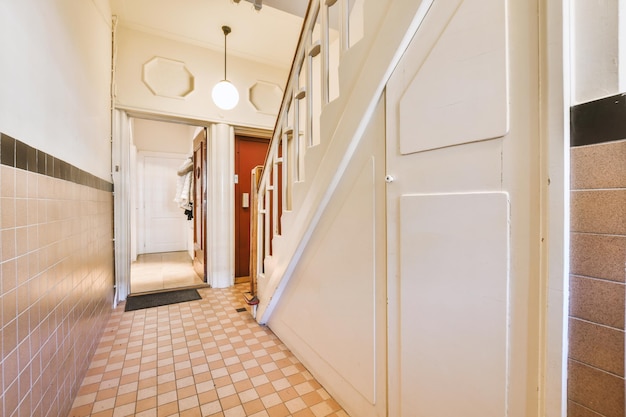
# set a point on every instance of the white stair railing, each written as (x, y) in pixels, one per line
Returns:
(297, 128)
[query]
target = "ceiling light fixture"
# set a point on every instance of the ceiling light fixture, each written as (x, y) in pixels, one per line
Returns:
(225, 94)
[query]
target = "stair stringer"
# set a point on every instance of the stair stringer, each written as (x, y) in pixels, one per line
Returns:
(363, 75)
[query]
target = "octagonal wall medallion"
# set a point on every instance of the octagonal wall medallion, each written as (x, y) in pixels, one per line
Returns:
(168, 78)
(265, 97)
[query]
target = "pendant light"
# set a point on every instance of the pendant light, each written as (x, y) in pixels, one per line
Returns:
(225, 94)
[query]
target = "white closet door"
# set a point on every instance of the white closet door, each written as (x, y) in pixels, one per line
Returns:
(463, 214)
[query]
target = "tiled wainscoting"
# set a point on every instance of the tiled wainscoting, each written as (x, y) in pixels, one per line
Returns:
(56, 286)
(597, 261)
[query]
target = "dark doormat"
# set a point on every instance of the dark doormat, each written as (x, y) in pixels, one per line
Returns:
(137, 302)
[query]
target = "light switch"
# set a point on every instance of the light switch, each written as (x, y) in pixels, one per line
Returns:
(245, 200)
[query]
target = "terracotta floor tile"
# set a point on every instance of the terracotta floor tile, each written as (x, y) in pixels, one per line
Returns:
(167, 409)
(124, 399)
(107, 413)
(208, 397)
(304, 413)
(312, 398)
(278, 410)
(220, 382)
(287, 394)
(192, 412)
(146, 404)
(243, 385)
(166, 387)
(82, 411)
(187, 392)
(106, 394)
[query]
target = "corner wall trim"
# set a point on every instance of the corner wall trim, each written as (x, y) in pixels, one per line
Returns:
(17, 154)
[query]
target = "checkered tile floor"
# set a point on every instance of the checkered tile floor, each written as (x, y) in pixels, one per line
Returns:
(200, 358)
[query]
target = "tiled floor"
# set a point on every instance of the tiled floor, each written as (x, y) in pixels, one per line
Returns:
(160, 271)
(200, 358)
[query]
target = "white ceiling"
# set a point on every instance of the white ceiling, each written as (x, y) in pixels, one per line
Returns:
(268, 36)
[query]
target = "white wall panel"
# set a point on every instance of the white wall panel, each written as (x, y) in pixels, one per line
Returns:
(338, 299)
(459, 94)
(455, 346)
(454, 304)
(332, 314)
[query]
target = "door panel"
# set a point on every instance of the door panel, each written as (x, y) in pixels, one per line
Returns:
(164, 223)
(454, 303)
(249, 152)
(199, 204)
(462, 214)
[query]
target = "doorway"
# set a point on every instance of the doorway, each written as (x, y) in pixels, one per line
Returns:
(126, 144)
(161, 220)
(249, 153)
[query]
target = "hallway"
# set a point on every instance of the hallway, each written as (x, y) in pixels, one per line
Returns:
(163, 271)
(200, 358)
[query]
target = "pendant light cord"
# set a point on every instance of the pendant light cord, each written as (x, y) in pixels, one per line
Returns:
(226, 30)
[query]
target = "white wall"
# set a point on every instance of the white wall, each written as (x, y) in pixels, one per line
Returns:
(149, 135)
(135, 48)
(598, 71)
(55, 79)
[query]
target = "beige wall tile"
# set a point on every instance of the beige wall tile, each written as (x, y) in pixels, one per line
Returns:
(7, 210)
(57, 284)
(595, 389)
(32, 184)
(8, 244)
(21, 183)
(7, 182)
(21, 212)
(599, 256)
(599, 211)
(599, 166)
(597, 301)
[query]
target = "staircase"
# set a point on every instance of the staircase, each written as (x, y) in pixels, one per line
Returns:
(346, 52)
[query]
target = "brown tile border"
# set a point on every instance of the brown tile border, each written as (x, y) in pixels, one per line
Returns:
(598, 166)
(598, 346)
(598, 121)
(598, 256)
(597, 301)
(596, 390)
(577, 410)
(17, 154)
(598, 211)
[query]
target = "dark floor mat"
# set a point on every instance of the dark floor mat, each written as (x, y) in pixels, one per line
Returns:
(137, 302)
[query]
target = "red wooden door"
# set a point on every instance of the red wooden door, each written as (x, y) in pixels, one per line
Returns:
(249, 152)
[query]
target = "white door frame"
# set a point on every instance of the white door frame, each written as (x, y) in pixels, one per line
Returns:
(120, 168)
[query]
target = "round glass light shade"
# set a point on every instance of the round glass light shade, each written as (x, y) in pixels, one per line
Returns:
(225, 95)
